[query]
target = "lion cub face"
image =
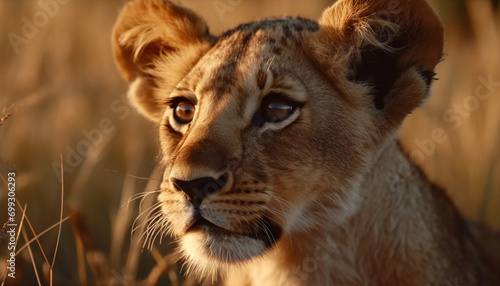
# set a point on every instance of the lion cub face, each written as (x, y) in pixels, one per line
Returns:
(251, 136)
(268, 129)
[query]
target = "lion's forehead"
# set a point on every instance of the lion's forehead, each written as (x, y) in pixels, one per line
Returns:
(237, 65)
(265, 35)
(241, 52)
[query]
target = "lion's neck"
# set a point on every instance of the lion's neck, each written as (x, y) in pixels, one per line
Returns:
(394, 222)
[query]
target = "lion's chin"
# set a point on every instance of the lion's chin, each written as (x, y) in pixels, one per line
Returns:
(205, 245)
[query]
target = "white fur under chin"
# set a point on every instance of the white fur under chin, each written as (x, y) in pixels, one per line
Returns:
(209, 256)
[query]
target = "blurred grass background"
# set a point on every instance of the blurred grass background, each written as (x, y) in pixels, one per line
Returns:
(62, 85)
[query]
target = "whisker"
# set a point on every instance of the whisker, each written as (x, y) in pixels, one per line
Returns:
(142, 195)
(151, 227)
(149, 211)
(266, 229)
(134, 176)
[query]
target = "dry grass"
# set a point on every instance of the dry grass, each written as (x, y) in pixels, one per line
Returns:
(63, 83)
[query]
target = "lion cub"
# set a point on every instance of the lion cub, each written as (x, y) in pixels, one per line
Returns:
(279, 145)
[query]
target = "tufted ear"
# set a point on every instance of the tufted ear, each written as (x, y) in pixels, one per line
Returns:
(155, 44)
(387, 48)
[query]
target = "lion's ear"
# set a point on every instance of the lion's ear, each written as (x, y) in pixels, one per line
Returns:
(390, 47)
(155, 44)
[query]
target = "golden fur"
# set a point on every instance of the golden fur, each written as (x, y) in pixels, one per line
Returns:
(287, 170)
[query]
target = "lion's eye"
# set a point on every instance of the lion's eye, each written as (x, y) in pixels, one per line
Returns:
(276, 108)
(183, 110)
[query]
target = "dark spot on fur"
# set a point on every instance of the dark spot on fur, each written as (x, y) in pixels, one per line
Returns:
(286, 31)
(283, 42)
(277, 50)
(298, 28)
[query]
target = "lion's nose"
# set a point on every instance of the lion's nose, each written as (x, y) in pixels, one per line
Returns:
(198, 189)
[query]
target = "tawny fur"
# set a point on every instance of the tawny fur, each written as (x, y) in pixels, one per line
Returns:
(330, 181)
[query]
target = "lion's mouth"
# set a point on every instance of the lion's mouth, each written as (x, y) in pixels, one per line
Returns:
(266, 230)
